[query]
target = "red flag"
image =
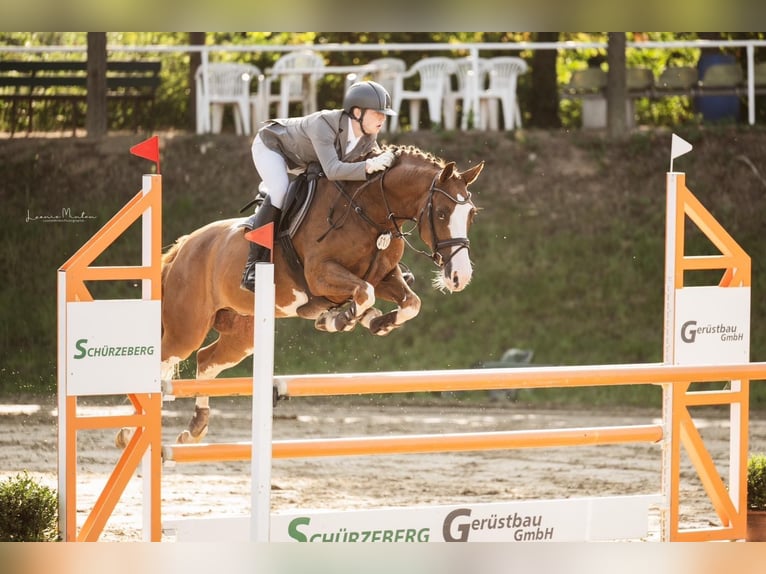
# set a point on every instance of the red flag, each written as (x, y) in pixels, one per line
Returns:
(264, 236)
(148, 149)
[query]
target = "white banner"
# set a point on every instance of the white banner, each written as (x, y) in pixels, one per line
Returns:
(562, 520)
(712, 325)
(113, 347)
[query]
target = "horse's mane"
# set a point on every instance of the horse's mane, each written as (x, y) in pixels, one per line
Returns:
(416, 153)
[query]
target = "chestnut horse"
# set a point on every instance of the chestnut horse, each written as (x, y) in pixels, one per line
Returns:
(346, 254)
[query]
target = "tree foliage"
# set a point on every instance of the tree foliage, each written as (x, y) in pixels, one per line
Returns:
(174, 99)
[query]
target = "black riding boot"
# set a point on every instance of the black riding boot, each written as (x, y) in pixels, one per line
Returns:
(265, 214)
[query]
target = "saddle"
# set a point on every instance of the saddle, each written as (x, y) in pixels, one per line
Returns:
(300, 196)
(298, 201)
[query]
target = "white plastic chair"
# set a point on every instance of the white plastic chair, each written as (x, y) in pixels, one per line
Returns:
(388, 73)
(225, 84)
(300, 86)
(468, 89)
(435, 78)
(503, 76)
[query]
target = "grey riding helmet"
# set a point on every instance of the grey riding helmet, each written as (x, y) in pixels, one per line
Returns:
(368, 95)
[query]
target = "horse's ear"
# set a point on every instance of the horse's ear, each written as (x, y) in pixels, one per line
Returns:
(470, 175)
(447, 172)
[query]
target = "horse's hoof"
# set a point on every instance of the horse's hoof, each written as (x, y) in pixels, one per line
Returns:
(383, 325)
(187, 437)
(368, 316)
(329, 322)
(338, 319)
(123, 437)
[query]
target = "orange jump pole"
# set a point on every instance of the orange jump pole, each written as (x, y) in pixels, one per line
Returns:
(476, 379)
(412, 444)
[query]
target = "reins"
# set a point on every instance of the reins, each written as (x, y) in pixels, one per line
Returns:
(398, 233)
(352, 206)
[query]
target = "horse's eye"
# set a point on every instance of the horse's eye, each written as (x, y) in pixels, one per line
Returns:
(442, 214)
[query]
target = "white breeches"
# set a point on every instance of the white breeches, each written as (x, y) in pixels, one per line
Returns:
(272, 168)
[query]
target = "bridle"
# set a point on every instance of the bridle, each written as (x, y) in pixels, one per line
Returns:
(461, 242)
(437, 245)
(428, 209)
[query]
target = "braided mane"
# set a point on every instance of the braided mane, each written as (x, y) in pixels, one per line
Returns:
(415, 152)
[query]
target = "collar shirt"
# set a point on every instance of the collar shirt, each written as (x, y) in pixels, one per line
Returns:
(352, 138)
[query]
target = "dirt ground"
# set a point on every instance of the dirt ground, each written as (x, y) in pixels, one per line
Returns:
(28, 442)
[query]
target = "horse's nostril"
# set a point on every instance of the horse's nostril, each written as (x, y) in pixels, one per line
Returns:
(455, 280)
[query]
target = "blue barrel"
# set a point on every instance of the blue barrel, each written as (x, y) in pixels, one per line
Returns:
(716, 108)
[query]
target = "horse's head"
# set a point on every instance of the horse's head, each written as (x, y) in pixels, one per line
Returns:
(422, 188)
(444, 223)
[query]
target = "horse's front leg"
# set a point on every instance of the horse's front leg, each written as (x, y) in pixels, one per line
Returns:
(393, 288)
(333, 281)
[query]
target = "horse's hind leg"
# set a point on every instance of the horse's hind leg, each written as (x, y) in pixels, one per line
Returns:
(234, 343)
(178, 343)
(167, 370)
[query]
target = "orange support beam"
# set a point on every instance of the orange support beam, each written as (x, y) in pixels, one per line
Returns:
(728, 500)
(147, 415)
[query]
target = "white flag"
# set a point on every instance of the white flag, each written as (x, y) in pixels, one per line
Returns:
(678, 147)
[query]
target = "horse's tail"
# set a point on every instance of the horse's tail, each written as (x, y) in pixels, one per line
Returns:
(169, 256)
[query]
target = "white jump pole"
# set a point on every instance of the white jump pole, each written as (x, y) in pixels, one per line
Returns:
(263, 381)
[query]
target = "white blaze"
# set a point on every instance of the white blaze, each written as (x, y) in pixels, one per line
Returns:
(461, 270)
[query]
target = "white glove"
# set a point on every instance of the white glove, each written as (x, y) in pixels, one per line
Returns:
(379, 162)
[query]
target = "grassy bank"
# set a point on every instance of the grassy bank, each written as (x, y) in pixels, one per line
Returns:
(568, 248)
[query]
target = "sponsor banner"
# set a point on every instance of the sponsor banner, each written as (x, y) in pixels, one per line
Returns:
(712, 325)
(562, 520)
(576, 519)
(113, 347)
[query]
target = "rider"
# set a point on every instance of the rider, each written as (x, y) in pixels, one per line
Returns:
(337, 139)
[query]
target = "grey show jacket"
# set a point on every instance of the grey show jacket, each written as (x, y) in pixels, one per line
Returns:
(321, 137)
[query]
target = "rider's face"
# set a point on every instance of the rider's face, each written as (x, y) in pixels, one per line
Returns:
(373, 121)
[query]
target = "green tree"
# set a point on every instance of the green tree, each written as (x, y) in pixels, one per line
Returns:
(195, 59)
(544, 109)
(616, 90)
(96, 115)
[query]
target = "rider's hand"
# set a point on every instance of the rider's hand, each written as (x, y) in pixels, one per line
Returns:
(379, 162)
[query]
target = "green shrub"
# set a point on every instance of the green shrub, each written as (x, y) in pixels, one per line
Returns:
(756, 482)
(29, 511)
